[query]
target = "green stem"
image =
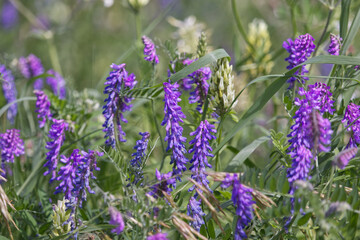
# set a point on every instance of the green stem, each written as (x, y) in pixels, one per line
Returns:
(28, 14)
(54, 56)
(138, 25)
(321, 39)
(293, 20)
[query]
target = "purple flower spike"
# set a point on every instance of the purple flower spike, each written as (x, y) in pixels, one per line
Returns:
(57, 136)
(116, 220)
(149, 50)
(299, 51)
(158, 236)
(352, 116)
(172, 119)
(42, 108)
(343, 158)
(11, 145)
(164, 185)
(9, 15)
(67, 174)
(201, 149)
(335, 44)
(139, 155)
(242, 199)
(194, 210)
(319, 96)
(57, 84)
(10, 92)
(116, 104)
(31, 67)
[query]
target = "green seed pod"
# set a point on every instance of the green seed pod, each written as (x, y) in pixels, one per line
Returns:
(202, 45)
(60, 216)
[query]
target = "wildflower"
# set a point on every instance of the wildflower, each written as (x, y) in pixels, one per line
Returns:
(194, 210)
(9, 15)
(117, 220)
(60, 219)
(335, 44)
(299, 51)
(42, 107)
(352, 116)
(10, 92)
(164, 185)
(242, 199)
(11, 145)
(202, 45)
(201, 149)
(31, 67)
(310, 131)
(57, 136)
(137, 4)
(342, 159)
(149, 50)
(158, 236)
(136, 163)
(222, 86)
(57, 84)
(173, 116)
(118, 81)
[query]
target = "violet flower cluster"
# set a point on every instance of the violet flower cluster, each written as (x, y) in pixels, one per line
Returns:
(343, 158)
(57, 84)
(9, 15)
(165, 183)
(57, 137)
(311, 133)
(149, 50)
(200, 78)
(10, 92)
(201, 149)
(173, 118)
(117, 220)
(352, 117)
(158, 236)
(335, 44)
(42, 107)
(11, 145)
(242, 199)
(136, 174)
(116, 104)
(299, 51)
(30, 67)
(75, 176)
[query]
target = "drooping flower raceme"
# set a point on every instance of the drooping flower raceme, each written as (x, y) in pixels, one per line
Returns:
(10, 92)
(116, 104)
(42, 107)
(30, 67)
(242, 199)
(299, 51)
(352, 116)
(116, 220)
(9, 15)
(173, 118)
(57, 84)
(194, 210)
(136, 173)
(343, 158)
(311, 133)
(149, 50)
(57, 137)
(335, 44)
(11, 145)
(158, 236)
(165, 183)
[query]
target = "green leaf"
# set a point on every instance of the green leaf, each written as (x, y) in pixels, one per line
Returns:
(211, 229)
(341, 60)
(4, 108)
(44, 228)
(202, 62)
(245, 153)
(3, 238)
(344, 17)
(304, 219)
(203, 230)
(351, 34)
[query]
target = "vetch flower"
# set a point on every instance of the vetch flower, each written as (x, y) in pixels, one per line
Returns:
(149, 50)
(342, 159)
(352, 116)
(165, 183)
(57, 137)
(30, 67)
(10, 93)
(299, 51)
(9, 15)
(335, 44)
(116, 220)
(11, 145)
(173, 118)
(136, 174)
(57, 84)
(194, 210)
(116, 104)
(158, 236)
(42, 107)
(242, 199)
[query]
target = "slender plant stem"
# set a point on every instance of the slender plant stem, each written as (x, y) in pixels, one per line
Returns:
(138, 25)
(157, 126)
(54, 56)
(293, 20)
(324, 31)
(28, 14)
